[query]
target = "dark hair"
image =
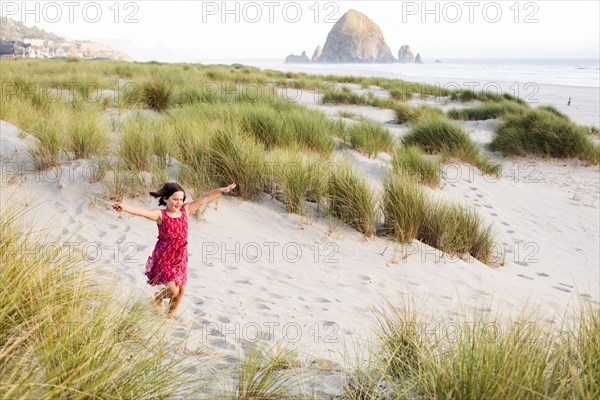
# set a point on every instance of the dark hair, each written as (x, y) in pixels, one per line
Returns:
(167, 191)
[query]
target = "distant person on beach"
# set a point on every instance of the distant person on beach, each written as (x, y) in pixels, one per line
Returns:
(168, 263)
(569, 102)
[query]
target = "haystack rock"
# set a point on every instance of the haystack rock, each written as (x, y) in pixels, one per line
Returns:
(294, 59)
(418, 59)
(317, 53)
(355, 38)
(405, 54)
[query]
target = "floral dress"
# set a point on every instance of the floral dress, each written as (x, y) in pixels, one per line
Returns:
(169, 259)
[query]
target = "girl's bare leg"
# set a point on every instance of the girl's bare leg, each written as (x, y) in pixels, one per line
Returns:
(176, 301)
(168, 292)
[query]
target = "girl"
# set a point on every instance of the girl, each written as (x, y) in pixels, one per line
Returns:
(168, 264)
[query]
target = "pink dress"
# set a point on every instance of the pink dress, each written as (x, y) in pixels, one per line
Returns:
(169, 259)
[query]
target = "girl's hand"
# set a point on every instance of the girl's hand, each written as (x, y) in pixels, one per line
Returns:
(119, 207)
(229, 188)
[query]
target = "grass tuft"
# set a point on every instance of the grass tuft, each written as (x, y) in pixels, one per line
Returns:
(351, 200)
(541, 132)
(369, 137)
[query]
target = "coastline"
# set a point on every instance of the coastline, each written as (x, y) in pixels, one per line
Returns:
(311, 282)
(585, 100)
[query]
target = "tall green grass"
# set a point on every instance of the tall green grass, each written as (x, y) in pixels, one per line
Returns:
(409, 214)
(542, 132)
(236, 157)
(486, 356)
(458, 231)
(87, 134)
(411, 162)
(351, 199)
(266, 373)
(487, 111)
(61, 337)
(157, 93)
(406, 114)
(51, 141)
(440, 135)
(297, 179)
(370, 138)
(404, 206)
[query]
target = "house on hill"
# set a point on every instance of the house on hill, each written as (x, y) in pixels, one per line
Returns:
(14, 49)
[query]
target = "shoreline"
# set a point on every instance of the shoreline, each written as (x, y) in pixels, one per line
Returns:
(585, 100)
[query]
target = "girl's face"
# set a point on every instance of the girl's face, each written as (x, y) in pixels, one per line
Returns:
(174, 202)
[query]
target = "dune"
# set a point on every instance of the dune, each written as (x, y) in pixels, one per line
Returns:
(256, 271)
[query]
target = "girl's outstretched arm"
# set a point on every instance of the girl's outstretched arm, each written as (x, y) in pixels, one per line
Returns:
(152, 215)
(207, 198)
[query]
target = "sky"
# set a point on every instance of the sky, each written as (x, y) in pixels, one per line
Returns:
(197, 31)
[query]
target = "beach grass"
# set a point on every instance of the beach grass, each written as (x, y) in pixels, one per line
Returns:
(487, 111)
(87, 134)
(403, 207)
(135, 147)
(543, 133)
(369, 137)
(351, 199)
(62, 337)
(407, 114)
(457, 231)
(440, 135)
(51, 144)
(294, 177)
(490, 356)
(411, 162)
(157, 93)
(234, 156)
(266, 373)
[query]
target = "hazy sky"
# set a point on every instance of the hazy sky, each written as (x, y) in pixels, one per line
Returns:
(204, 30)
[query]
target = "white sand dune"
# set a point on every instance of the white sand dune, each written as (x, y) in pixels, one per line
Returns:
(311, 282)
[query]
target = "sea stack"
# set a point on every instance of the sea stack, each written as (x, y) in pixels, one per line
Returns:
(405, 55)
(355, 38)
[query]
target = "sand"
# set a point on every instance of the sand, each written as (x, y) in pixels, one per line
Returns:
(311, 283)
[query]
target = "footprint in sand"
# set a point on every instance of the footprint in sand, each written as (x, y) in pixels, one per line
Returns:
(244, 282)
(79, 208)
(181, 333)
(473, 188)
(522, 263)
(487, 206)
(543, 274)
(320, 299)
(525, 276)
(562, 289)
(504, 223)
(493, 214)
(564, 284)
(480, 196)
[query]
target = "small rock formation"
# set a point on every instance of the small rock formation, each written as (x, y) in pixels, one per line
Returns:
(405, 55)
(294, 59)
(317, 54)
(355, 38)
(418, 59)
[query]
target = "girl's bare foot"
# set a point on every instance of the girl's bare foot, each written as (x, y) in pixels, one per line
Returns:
(157, 302)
